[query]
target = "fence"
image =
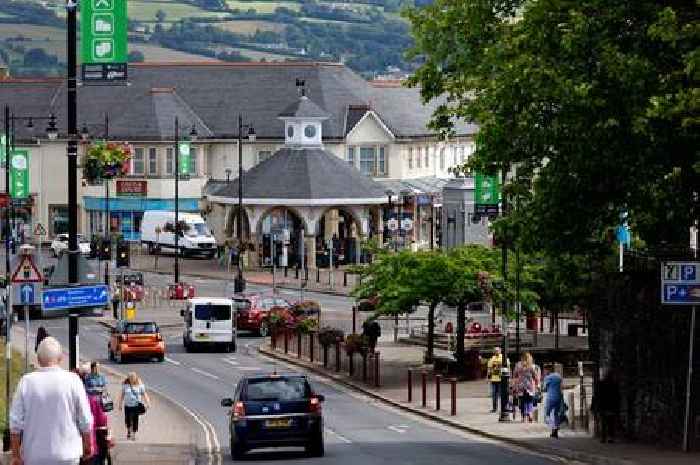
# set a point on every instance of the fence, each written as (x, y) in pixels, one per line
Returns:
(364, 367)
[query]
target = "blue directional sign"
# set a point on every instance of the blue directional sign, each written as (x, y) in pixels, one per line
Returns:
(26, 294)
(73, 297)
(680, 283)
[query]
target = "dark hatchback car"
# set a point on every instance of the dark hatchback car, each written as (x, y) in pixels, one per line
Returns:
(275, 411)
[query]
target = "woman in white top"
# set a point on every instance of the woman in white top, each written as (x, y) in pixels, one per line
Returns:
(133, 396)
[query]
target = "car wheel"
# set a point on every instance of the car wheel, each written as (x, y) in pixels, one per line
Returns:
(264, 330)
(161, 358)
(316, 447)
(237, 450)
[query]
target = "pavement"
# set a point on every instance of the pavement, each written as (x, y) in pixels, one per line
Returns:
(473, 411)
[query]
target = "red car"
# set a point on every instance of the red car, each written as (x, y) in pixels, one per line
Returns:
(252, 311)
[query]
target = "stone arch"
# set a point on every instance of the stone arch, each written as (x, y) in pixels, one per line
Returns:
(344, 225)
(273, 220)
(231, 223)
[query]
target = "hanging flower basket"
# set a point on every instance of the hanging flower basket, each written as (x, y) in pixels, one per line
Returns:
(106, 161)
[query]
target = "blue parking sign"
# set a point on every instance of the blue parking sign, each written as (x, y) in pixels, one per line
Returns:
(680, 283)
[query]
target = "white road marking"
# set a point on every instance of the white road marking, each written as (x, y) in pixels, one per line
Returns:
(174, 362)
(204, 373)
(250, 368)
(401, 429)
(230, 362)
(341, 438)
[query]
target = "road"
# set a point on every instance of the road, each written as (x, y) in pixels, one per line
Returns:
(358, 430)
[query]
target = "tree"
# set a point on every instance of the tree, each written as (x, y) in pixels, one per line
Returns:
(595, 98)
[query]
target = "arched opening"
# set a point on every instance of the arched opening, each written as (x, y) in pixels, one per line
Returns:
(339, 230)
(279, 237)
(232, 225)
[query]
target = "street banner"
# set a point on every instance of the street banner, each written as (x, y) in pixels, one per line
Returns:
(19, 174)
(3, 141)
(184, 156)
(486, 190)
(103, 35)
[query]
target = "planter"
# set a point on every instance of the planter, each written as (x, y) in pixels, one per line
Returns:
(106, 161)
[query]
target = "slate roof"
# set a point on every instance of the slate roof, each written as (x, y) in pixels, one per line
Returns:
(308, 173)
(304, 108)
(211, 95)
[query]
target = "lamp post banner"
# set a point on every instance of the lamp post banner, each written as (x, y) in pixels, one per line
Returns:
(103, 31)
(184, 149)
(19, 174)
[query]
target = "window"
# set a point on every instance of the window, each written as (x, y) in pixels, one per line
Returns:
(454, 155)
(277, 389)
(169, 161)
(152, 161)
(264, 155)
(290, 131)
(213, 312)
(367, 160)
(410, 158)
(351, 156)
(137, 162)
(442, 158)
(381, 170)
(419, 158)
(461, 154)
(193, 161)
(427, 157)
(310, 131)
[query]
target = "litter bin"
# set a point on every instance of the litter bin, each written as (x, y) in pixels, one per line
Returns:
(131, 312)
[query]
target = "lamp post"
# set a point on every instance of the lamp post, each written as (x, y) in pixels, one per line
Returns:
(52, 134)
(84, 136)
(228, 175)
(505, 371)
(193, 136)
(239, 282)
(390, 194)
(402, 199)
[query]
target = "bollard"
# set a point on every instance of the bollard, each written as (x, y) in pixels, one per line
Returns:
(273, 340)
(298, 345)
(345, 279)
(318, 275)
(337, 356)
(438, 378)
(296, 273)
(572, 418)
(410, 385)
(306, 274)
(325, 356)
(286, 342)
(351, 363)
(364, 368)
(285, 271)
(354, 319)
(424, 383)
(453, 395)
(311, 347)
(376, 370)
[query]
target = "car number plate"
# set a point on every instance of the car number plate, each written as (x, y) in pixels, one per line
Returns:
(202, 336)
(285, 423)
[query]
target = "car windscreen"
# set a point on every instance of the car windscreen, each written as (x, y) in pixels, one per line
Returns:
(198, 229)
(212, 312)
(141, 328)
(277, 389)
(241, 304)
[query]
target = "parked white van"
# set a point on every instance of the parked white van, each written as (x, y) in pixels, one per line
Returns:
(209, 321)
(195, 237)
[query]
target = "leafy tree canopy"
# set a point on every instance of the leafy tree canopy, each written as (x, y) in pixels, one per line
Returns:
(596, 100)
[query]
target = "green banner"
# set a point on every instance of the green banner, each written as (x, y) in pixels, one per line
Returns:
(3, 141)
(103, 31)
(184, 157)
(486, 190)
(19, 174)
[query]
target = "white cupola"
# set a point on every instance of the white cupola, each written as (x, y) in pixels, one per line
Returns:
(303, 121)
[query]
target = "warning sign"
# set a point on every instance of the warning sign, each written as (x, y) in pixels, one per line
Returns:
(26, 272)
(39, 230)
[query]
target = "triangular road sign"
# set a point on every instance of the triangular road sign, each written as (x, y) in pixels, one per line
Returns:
(39, 230)
(26, 272)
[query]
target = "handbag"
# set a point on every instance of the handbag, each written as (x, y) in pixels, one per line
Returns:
(107, 402)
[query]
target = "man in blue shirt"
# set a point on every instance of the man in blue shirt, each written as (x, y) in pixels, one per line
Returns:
(95, 382)
(552, 409)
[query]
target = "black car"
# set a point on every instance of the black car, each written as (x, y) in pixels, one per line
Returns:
(275, 411)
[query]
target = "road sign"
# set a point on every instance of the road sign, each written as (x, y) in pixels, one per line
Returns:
(407, 224)
(486, 190)
(39, 230)
(184, 148)
(680, 283)
(26, 271)
(26, 294)
(103, 35)
(392, 224)
(19, 174)
(74, 297)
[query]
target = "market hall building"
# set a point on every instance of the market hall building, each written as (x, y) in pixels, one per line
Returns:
(379, 129)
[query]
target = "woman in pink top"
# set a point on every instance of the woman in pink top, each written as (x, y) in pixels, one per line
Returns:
(99, 437)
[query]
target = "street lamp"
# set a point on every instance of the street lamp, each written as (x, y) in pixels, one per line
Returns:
(389, 194)
(52, 134)
(193, 136)
(85, 137)
(402, 198)
(239, 282)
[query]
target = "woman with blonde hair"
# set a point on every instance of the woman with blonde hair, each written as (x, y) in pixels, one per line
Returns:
(526, 382)
(135, 401)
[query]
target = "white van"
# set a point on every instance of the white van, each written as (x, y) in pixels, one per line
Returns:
(209, 321)
(195, 237)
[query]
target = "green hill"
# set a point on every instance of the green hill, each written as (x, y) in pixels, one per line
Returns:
(368, 35)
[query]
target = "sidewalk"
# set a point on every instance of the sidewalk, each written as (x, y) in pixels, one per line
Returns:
(343, 282)
(178, 444)
(473, 412)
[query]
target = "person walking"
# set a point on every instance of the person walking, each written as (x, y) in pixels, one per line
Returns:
(526, 383)
(116, 300)
(606, 405)
(41, 334)
(134, 399)
(50, 417)
(494, 366)
(95, 382)
(555, 398)
(372, 331)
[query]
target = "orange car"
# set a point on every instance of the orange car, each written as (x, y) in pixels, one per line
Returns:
(136, 339)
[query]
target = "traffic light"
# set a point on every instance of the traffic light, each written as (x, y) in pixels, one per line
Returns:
(106, 250)
(122, 254)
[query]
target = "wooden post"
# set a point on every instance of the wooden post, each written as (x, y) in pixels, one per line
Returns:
(376, 370)
(298, 345)
(364, 367)
(424, 382)
(311, 347)
(453, 395)
(410, 385)
(286, 341)
(438, 379)
(337, 356)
